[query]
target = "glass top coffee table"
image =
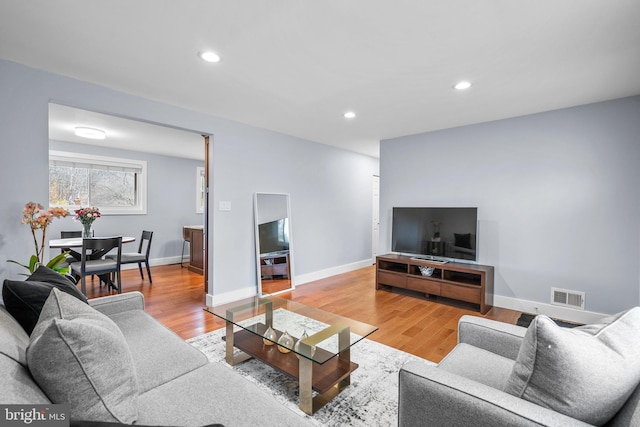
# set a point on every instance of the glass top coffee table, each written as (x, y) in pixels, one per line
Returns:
(321, 361)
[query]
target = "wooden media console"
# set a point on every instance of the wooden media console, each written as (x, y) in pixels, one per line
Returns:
(472, 283)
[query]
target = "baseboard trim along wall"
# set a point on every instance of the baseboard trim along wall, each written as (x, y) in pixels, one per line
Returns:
(525, 306)
(554, 311)
(303, 279)
(156, 261)
(323, 274)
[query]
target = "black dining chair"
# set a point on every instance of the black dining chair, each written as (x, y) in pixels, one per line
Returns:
(93, 261)
(141, 256)
(72, 256)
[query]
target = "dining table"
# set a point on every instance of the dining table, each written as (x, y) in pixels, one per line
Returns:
(76, 242)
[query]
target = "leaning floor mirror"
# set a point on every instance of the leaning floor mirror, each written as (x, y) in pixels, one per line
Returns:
(273, 243)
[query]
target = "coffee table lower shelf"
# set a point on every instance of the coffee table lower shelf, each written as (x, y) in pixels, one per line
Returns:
(327, 379)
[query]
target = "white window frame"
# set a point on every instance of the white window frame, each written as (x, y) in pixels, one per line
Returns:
(199, 190)
(141, 191)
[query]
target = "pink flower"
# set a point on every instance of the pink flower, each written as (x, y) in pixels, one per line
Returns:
(37, 218)
(87, 215)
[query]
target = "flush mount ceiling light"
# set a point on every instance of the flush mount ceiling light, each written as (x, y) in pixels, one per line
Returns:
(90, 133)
(462, 85)
(349, 115)
(209, 56)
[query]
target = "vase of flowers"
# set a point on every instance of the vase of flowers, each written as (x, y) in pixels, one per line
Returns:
(436, 230)
(86, 216)
(37, 218)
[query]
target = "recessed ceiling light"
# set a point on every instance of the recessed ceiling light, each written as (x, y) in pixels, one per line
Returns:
(349, 115)
(90, 133)
(462, 85)
(209, 56)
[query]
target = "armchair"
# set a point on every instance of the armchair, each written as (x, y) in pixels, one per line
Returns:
(468, 386)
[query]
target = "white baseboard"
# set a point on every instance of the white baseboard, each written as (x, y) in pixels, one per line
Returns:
(323, 274)
(227, 297)
(558, 312)
(251, 291)
(155, 262)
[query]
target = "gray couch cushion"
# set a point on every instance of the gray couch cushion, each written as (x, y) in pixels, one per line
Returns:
(629, 415)
(587, 373)
(225, 397)
(13, 338)
(144, 335)
(78, 356)
(479, 365)
(17, 385)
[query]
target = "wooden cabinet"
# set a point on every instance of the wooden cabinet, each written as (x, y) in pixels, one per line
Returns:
(274, 265)
(471, 283)
(196, 249)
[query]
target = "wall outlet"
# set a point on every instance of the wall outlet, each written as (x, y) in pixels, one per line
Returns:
(224, 206)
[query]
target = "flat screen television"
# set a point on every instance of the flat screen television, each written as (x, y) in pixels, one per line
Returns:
(274, 236)
(438, 233)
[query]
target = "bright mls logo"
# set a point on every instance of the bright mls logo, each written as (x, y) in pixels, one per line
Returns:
(35, 415)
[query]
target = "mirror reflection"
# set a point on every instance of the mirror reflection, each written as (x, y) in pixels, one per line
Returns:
(273, 242)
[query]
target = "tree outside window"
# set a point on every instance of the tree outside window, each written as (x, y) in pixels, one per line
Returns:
(113, 185)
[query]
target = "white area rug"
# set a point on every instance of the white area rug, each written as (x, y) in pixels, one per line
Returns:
(370, 400)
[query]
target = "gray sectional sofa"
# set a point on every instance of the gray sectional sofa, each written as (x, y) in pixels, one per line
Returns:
(505, 375)
(141, 373)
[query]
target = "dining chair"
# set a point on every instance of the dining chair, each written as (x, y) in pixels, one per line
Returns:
(72, 256)
(141, 256)
(93, 261)
(186, 238)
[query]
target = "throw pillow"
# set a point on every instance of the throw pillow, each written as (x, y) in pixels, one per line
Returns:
(586, 373)
(24, 299)
(79, 356)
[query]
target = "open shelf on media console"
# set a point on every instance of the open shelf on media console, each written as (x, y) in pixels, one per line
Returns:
(429, 259)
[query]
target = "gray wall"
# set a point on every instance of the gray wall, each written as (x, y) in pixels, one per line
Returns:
(330, 188)
(330, 200)
(171, 196)
(557, 197)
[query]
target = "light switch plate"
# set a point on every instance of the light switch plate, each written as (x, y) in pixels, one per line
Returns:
(225, 206)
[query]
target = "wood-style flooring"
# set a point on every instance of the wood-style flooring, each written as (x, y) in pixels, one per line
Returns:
(406, 321)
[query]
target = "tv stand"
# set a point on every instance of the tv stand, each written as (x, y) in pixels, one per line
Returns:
(471, 283)
(275, 264)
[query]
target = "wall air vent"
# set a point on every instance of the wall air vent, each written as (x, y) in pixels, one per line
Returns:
(573, 299)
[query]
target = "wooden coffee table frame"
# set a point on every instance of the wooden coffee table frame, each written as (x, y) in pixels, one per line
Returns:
(327, 379)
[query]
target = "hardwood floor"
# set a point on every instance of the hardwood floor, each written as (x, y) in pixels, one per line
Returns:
(406, 321)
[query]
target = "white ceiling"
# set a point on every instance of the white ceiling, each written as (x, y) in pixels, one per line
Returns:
(123, 133)
(297, 66)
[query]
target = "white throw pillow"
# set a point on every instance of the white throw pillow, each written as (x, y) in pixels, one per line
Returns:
(79, 356)
(587, 373)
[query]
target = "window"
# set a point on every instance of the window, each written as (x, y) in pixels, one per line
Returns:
(116, 186)
(200, 188)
